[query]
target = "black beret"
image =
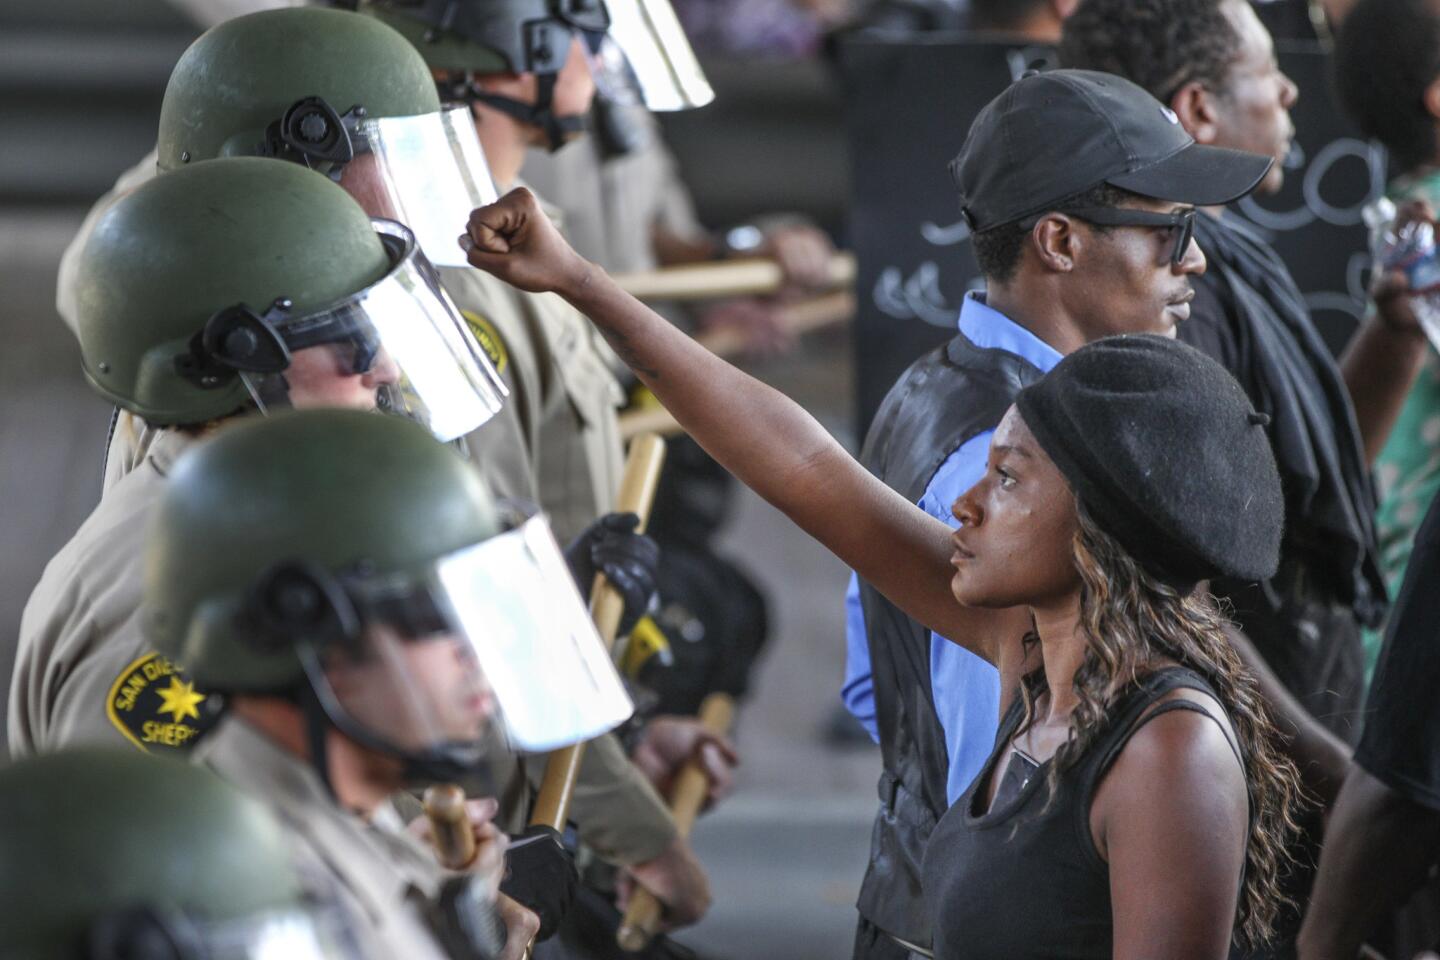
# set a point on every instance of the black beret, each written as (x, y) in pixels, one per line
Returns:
(1163, 448)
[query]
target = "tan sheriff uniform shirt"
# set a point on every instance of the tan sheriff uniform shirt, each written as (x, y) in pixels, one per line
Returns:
(564, 396)
(382, 878)
(83, 671)
(556, 442)
(613, 206)
(564, 399)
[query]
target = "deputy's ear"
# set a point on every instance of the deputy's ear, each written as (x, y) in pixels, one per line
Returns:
(1063, 8)
(1195, 105)
(1054, 241)
(1431, 99)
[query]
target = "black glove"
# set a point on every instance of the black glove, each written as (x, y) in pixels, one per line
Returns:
(540, 875)
(629, 560)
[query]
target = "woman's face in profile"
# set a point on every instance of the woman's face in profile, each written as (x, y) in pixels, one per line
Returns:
(1017, 527)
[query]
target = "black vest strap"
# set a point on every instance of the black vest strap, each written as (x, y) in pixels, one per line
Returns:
(943, 400)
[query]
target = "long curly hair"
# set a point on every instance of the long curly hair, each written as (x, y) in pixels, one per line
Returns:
(1131, 622)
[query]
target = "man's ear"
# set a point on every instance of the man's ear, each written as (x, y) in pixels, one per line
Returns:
(1063, 8)
(1054, 242)
(1195, 106)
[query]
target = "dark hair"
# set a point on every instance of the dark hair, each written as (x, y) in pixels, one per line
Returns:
(1001, 14)
(1386, 54)
(1160, 45)
(997, 249)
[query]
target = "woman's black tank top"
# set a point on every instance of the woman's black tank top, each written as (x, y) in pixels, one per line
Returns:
(1023, 880)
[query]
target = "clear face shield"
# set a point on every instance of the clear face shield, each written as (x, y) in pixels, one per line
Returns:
(303, 932)
(427, 171)
(486, 645)
(398, 346)
(645, 57)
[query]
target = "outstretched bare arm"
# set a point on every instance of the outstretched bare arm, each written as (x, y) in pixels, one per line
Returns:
(760, 435)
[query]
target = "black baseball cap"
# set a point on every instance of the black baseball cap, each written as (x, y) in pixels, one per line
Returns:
(1056, 134)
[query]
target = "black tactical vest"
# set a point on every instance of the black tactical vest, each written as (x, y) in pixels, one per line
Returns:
(945, 398)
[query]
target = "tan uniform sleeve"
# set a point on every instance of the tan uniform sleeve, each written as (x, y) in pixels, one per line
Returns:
(48, 614)
(617, 812)
(128, 447)
(75, 642)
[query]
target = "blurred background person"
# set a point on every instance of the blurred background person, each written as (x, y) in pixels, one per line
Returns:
(1375, 883)
(1212, 62)
(1387, 63)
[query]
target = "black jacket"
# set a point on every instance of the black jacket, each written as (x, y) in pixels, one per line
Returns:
(944, 399)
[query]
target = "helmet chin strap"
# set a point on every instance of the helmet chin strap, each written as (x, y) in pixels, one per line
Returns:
(558, 130)
(317, 725)
(322, 713)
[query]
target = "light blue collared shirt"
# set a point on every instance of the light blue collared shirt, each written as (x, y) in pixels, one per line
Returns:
(965, 687)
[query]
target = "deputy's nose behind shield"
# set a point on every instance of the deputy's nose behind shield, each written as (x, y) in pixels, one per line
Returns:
(429, 663)
(433, 172)
(398, 345)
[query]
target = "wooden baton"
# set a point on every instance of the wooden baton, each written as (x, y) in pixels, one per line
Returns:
(687, 796)
(795, 318)
(450, 829)
(726, 278)
(637, 494)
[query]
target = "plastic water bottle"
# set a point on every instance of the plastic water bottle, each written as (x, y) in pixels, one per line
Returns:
(1411, 250)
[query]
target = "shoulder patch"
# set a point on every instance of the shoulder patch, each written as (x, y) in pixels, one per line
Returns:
(156, 706)
(488, 338)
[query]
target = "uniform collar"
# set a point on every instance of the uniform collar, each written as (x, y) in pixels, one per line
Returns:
(166, 446)
(988, 328)
(383, 868)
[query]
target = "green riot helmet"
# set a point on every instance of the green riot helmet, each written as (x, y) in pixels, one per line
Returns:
(637, 51)
(355, 564)
(107, 853)
(341, 94)
(249, 280)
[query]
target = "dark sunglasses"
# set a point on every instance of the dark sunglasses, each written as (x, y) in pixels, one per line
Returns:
(1180, 223)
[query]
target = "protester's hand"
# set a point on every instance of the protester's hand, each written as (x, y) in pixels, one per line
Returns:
(1394, 303)
(521, 927)
(756, 321)
(676, 879)
(513, 239)
(667, 743)
(490, 842)
(629, 560)
(803, 252)
(540, 875)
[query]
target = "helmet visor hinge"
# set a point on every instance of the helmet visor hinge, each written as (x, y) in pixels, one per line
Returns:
(313, 133)
(299, 602)
(233, 340)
